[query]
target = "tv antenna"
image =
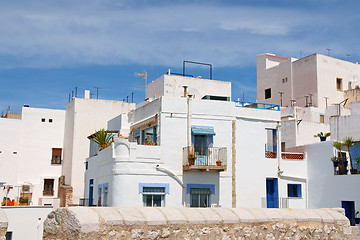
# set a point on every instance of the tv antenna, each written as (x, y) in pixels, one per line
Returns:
(97, 92)
(144, 77)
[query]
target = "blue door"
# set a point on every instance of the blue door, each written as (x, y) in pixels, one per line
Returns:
(272, 198)
(349, 207)
(91, 189)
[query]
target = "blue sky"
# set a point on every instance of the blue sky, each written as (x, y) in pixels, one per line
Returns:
(47, 48)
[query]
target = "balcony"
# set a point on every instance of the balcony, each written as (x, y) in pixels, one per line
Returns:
(206, 158)
(256, 105)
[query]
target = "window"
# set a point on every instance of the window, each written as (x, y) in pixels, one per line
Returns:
(322, 118)
(137, 136)
(339, 84)
(149, 136)
(202, 140)
(283, 146)
(91, 192)
(48, 187)
(200, 197)
(99, 195)
(154, 196)
(56, 156)
(271, 143)
(43, 120)
(294, 190)
(105, 194)
(268, 93)
(50, 120)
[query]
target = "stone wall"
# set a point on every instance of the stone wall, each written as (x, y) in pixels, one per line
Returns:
(197, 223)
(3, 224)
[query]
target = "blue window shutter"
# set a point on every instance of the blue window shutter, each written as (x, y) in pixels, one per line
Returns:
(298, 194)
(274, 140)
(192, 139)
(211, 140)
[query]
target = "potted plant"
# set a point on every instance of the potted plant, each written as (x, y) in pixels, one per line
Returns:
(191, 158)
(104, 138)
(335, 161)
(218, 163)
(23, 201)
(322, 136)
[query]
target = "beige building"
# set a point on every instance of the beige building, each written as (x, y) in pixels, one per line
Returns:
(316, 80)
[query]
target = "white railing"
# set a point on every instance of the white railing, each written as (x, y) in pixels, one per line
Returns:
(277, 202)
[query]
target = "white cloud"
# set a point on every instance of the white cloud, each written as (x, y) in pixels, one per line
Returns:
(68, 33)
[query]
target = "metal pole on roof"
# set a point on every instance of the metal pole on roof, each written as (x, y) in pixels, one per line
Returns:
(281, 94)
(328, 49)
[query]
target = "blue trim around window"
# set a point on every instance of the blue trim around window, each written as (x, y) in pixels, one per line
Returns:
(164, 185)
(211, 186)
(102, 185)
(202, 130)
(294, 190)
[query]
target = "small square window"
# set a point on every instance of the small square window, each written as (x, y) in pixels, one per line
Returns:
(322, 118)
(267, 93)
(50, 120)
(294, 190)
(43, 120)
(339, 84)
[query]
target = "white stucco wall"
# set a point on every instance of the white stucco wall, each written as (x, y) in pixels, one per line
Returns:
(26, 222)
(83, 118)
(26, 156)
(346, 126)
(327, 190)
(172, 86)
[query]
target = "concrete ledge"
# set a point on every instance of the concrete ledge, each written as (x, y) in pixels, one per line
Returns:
(3, 224)
(197, 223)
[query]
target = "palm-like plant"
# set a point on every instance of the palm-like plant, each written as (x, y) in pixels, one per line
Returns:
(349, 142)
(103, 138)
(338, 145)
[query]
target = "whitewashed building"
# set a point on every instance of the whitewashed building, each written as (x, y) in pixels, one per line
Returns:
(84, 116)
(238, 160)
(31, 155)
(318, 94)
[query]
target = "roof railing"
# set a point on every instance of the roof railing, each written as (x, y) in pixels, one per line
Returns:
(257, 105)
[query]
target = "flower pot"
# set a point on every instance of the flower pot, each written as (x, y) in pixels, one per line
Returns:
(345, 163)
(336, 163)
(191, 161)
(353, 171)
(322, 139)
(218, 163)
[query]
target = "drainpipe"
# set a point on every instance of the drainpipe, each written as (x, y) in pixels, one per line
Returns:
(158, 168)
(291, 82)
(189, 120)
(278, 148)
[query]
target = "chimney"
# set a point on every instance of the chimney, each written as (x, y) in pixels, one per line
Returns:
(87, 94)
